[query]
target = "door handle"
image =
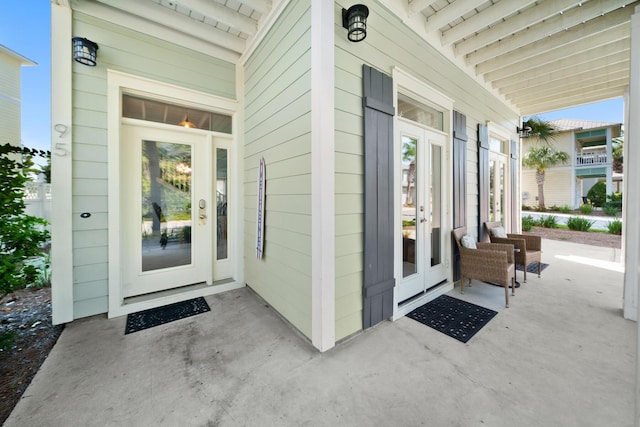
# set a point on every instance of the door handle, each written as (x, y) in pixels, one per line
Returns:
(202, 212)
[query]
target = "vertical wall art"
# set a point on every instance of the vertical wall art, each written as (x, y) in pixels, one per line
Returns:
(260, 210)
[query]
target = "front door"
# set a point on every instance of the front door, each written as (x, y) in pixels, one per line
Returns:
(421, 210)
(166, 209)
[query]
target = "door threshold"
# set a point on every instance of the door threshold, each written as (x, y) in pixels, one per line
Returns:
(407, 306)
(158, 299)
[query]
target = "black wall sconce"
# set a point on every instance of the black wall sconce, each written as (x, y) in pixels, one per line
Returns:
(523, 132)
(84, 51)
(355, 20)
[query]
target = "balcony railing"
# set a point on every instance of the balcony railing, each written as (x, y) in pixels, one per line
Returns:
(591, 159)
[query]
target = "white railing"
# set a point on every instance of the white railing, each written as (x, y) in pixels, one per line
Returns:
(37, 198)
(591, 159)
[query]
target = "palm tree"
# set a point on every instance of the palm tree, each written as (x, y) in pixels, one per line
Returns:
(409, 155)
(541, 130)
(542, 158)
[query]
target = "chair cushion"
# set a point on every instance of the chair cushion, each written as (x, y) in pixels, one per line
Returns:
(468, 242)
(498, 232)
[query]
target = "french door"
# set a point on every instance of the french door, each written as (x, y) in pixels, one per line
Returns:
(421, 263)
(497, 187)
(166, 209)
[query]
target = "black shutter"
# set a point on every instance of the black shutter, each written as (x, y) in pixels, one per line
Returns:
(515, 197)
(483, 179)
(378, 197)
(459, 182)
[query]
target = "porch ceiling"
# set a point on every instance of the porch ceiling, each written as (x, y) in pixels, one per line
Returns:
(537, 55)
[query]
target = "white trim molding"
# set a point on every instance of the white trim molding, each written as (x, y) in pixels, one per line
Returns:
(61, 166)
(323, 323)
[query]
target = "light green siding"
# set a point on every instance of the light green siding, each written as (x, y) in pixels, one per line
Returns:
(389, 44)
(9, 100)
(277, 127)
(137, 54)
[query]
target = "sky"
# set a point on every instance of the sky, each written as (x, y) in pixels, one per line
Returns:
(25, 27)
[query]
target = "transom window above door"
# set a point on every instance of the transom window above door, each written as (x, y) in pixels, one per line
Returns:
(418, 112)
(136, 107)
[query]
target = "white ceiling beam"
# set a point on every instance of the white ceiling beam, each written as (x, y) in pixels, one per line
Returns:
(613, 26)
(263, 7)
(178, 22)
(564, 57)
(562, 90)
(587, 97)
(152, 29)
(449, 13)
(568, 76)
(417, 6)
(480, 21)
(548, 28)
(223, 15)
(519, 22)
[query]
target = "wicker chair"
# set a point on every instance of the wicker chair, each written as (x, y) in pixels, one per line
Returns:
(529, 246)
(490, 262)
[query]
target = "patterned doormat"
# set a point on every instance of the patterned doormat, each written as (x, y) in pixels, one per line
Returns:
(159, 316)
(533, 267)
(453, 317)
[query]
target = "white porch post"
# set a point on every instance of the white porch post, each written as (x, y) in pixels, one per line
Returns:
(609, 176)
(61, 165)
(632, 199)
(323, 323)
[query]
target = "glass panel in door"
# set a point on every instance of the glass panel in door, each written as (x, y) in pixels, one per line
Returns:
(222, 243)
(435, 204)
(409, 212)
(165, 205)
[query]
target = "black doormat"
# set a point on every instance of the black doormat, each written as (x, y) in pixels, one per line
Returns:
(165, 314)
(533, 267)
(453, 317)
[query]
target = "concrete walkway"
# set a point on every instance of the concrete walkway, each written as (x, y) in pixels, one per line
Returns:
(561, 355)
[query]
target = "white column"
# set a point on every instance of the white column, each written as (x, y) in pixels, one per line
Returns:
(61, 166)
(323, 323)
(609, 178)
(632, 199)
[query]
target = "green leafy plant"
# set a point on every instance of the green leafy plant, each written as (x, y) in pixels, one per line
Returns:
(21, 236)
(598, 194)
(614, 227)
(527, 223)
(7, 339)
(579, 223)
(586, 209)
(610, 209)
(565, 209)
(550, 221)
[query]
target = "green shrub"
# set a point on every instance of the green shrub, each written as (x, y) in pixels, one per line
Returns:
(554, 208)
(586, 209)
(21, 236)
(406, 223)
(565, 209)
(598, 194)
(614, 227)
(549, 221)
(579, 223)
(527, 223)
(7, 338)
(610, 209)
(615, 197)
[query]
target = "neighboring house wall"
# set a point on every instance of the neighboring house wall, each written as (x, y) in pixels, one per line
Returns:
(278, 128)
(557, 187)
(10, 104)
(390, 45)
(141, 55)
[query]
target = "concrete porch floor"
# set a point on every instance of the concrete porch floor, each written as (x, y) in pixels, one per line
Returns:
(561, 355)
